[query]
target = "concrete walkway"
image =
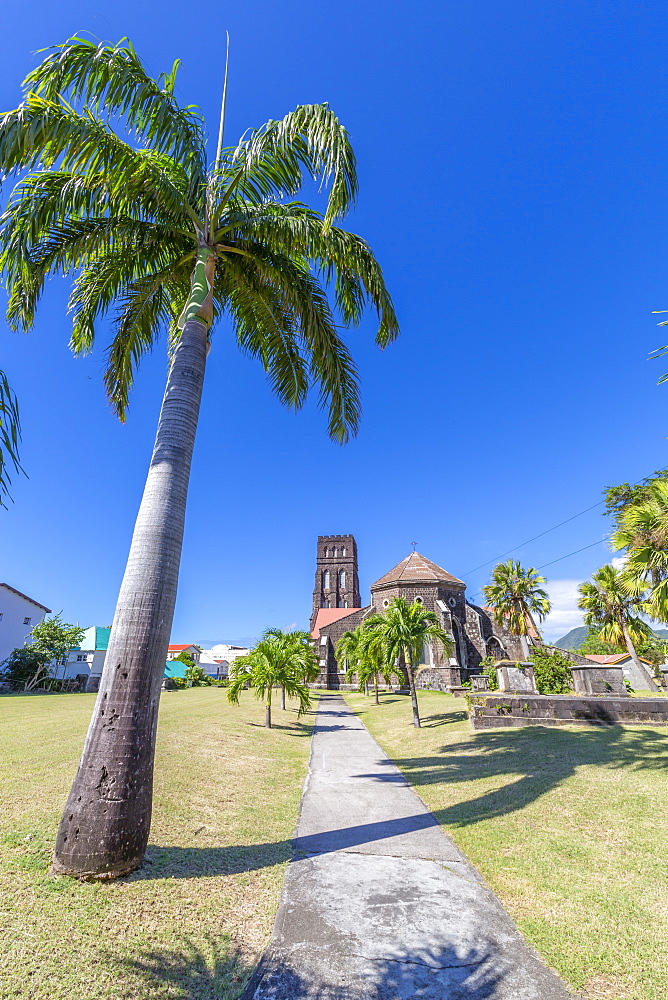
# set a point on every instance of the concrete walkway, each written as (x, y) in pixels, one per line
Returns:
(378, 903)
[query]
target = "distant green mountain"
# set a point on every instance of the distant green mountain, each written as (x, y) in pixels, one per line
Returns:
(573, 638)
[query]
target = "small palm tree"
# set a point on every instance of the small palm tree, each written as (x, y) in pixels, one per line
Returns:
(403, 629)
(280, 659)
(118, 189)
(611, 608)
(516, 595)
(643, 531)
(10, 435)
(361, 656)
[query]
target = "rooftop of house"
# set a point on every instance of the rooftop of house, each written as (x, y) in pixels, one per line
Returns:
(26, 598)
(326, 616)
(416, 568)
(612, 657)
(179, 649)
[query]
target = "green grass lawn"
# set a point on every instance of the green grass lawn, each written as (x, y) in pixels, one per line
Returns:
(568, 826)
(193, 920)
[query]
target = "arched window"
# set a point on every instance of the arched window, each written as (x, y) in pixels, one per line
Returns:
(335, 552)
(342, 578)
(343, 551)
(418, 600)
(426, 653)
(326, 551)
(386, 603)
(325, 580)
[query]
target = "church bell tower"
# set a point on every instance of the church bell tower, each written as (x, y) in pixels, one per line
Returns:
(336, 578)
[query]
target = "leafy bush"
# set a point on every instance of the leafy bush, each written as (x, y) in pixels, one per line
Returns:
(21, 666)
(197, 676)
(179, 682)
(489, 670)
(552, 671)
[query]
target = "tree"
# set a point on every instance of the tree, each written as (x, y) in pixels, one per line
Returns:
(642, 529)
(593, 645)
(50, 640)
(21, 666)
(618, 499)
(283, 659)
(403, 630)
(172, 241)
(186, 658)
(516, 595)
(10, 435)
(611, 609)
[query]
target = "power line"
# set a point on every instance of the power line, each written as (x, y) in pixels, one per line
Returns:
(535, 537)
(599, 542)
(583, 549)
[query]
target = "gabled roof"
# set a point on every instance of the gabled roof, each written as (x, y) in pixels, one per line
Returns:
(326, 616)
(415, 568)
(190, 645)
(25, 597)
(612, 657)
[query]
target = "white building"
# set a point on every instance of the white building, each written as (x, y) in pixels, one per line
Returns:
(87, 658)
(18, 615)
(216, 661)
(175, 651)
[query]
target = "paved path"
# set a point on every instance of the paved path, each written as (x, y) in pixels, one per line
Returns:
(379, 904)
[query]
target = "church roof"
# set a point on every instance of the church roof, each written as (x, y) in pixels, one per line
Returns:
(326, 616)
(415, 568)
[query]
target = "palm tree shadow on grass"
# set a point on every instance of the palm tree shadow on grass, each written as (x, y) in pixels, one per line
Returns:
(211, 969)
(539, 758)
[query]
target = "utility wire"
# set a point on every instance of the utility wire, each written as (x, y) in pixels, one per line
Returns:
(554, 528)
(599, 542)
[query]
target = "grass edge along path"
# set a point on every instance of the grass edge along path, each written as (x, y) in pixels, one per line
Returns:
(194, 919)
(568, 826)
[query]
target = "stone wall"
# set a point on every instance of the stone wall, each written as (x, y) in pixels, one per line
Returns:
(489, 711)
(437, 678)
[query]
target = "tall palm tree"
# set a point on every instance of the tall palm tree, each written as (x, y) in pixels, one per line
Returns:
(516, 595)
(284, 659)
(642, 529)
(404, 629)
(10, 435)
(170, 243)
(611, 608)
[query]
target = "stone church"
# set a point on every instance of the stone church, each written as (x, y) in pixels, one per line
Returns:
(337, 608)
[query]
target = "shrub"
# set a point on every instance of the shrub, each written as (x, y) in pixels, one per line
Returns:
(489, 670)
(552, 671)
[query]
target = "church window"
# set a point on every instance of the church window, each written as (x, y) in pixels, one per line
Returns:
(325, 579)
(386, 603)
(323, 640)
(326, 551)
(418, 600)
(336, 552)
(345, 604)
(342, 578)
(343, 551)
(452, 602)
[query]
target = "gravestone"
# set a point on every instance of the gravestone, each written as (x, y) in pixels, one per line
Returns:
(598, 678)
(480, 682)
(516, 677)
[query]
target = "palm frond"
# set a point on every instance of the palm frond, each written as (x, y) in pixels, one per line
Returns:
(311, 138)
(10, 436)
(113, 78)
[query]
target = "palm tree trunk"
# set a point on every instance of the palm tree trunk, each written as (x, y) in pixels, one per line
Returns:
(105, 826)
(411, 684)
(283, 696)
(640, 667)
(376, 686)
(267, 712)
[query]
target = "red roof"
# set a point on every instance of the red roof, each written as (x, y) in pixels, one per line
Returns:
(25, 597)
(326, 616)
(189, 645)
(612, 657)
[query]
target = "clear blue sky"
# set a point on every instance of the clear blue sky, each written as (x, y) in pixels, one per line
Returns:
(513, 178)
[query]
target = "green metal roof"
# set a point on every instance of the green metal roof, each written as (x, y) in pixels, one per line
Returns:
(175, 668)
